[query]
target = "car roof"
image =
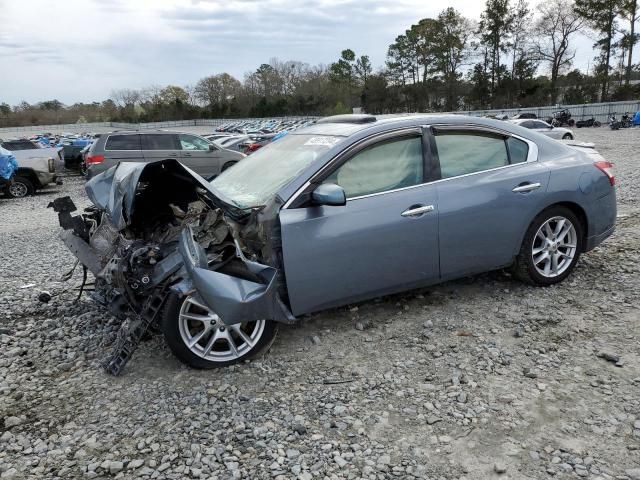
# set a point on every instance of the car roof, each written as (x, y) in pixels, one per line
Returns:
(342, 127)
(155, 131)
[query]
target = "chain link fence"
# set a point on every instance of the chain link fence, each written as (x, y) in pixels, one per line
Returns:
(599, 111)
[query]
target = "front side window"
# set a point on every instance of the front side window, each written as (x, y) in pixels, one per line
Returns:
(190, 142)
(123, 142)
(382, 167)
(463, 153)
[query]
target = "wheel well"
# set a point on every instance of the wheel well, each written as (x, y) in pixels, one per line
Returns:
(228, 164)
(579, 212)
(29, 175)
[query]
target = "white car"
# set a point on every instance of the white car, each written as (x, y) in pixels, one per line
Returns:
(559, 133)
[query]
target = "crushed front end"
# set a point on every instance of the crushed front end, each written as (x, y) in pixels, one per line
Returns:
(158, 229)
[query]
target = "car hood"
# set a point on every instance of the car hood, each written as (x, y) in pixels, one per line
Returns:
(114, 190)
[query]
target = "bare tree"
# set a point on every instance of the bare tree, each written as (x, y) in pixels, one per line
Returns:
(125, 97)
(557, 23)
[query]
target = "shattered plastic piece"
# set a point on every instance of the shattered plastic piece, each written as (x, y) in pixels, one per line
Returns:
(28, 285)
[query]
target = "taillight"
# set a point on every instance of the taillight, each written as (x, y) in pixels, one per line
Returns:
(95, 158)
(606, 168)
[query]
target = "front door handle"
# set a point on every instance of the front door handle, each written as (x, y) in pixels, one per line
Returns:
(527, 187)
(417, 211)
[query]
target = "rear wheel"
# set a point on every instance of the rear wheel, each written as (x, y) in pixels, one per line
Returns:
(567, 136)
(21, 187)
(551, 247)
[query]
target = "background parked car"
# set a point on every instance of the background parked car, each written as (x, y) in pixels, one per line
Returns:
(38, 166)
(559, 133)
(195, 152)
(523, 115)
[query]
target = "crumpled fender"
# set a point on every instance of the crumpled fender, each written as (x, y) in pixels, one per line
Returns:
(233, 299)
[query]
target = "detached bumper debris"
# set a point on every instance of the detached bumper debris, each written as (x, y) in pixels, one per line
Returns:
(155, 230)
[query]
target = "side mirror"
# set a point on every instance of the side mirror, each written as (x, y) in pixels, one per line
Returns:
(329, 194)
(211, 148)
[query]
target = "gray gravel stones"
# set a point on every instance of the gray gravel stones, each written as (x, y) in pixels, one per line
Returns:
(434, 386)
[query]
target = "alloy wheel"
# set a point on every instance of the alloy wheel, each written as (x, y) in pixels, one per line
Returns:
(18, 190)
(554, 246)
(207, 336)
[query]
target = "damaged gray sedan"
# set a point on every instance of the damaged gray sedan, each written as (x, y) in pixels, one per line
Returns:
(348, 209)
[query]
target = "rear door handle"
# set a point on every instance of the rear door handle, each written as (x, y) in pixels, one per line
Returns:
(527, 187)
(416, 211)
(186, 154)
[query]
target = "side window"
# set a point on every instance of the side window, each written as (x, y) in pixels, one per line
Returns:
(462, 153)
(527, 124)
(190, 142)
(152, 141)
(381, 167)
(518, 150)
(539, 124)
(123, 142)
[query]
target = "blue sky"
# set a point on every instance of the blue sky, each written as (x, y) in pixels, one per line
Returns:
(81, 50)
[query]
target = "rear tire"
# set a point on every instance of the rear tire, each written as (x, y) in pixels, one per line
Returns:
(567, 136)
(551, 247)
(20, 188)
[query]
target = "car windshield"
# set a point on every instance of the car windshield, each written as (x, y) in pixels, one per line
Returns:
(257, 178)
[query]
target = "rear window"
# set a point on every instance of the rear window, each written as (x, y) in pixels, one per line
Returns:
(123, 142)
(22, 145)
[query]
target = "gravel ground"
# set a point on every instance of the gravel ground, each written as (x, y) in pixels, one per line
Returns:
(478, 378)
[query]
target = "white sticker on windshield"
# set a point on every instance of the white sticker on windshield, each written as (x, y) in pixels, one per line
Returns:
(323, 141)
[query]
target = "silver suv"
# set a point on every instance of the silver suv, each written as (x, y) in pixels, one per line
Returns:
(146, 146)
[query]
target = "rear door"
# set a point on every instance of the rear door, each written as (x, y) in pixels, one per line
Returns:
(491, 186)
(197, 155)
(385, 239)
(160, 146)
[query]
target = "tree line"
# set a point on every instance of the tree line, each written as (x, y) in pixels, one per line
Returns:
(512, 56)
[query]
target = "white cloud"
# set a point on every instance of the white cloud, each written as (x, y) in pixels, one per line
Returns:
(80, 50)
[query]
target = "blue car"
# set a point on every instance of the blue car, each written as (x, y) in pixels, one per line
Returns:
(348, 209)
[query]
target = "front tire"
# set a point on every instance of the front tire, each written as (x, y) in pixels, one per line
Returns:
(551, 247)
(199, 338)
(20, 188)
(567, 136)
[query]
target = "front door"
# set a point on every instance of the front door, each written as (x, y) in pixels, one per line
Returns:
(384, 240)
(198, 156)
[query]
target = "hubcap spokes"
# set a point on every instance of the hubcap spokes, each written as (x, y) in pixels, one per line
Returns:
(554, 247)
(207, 336)
(18, 190)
